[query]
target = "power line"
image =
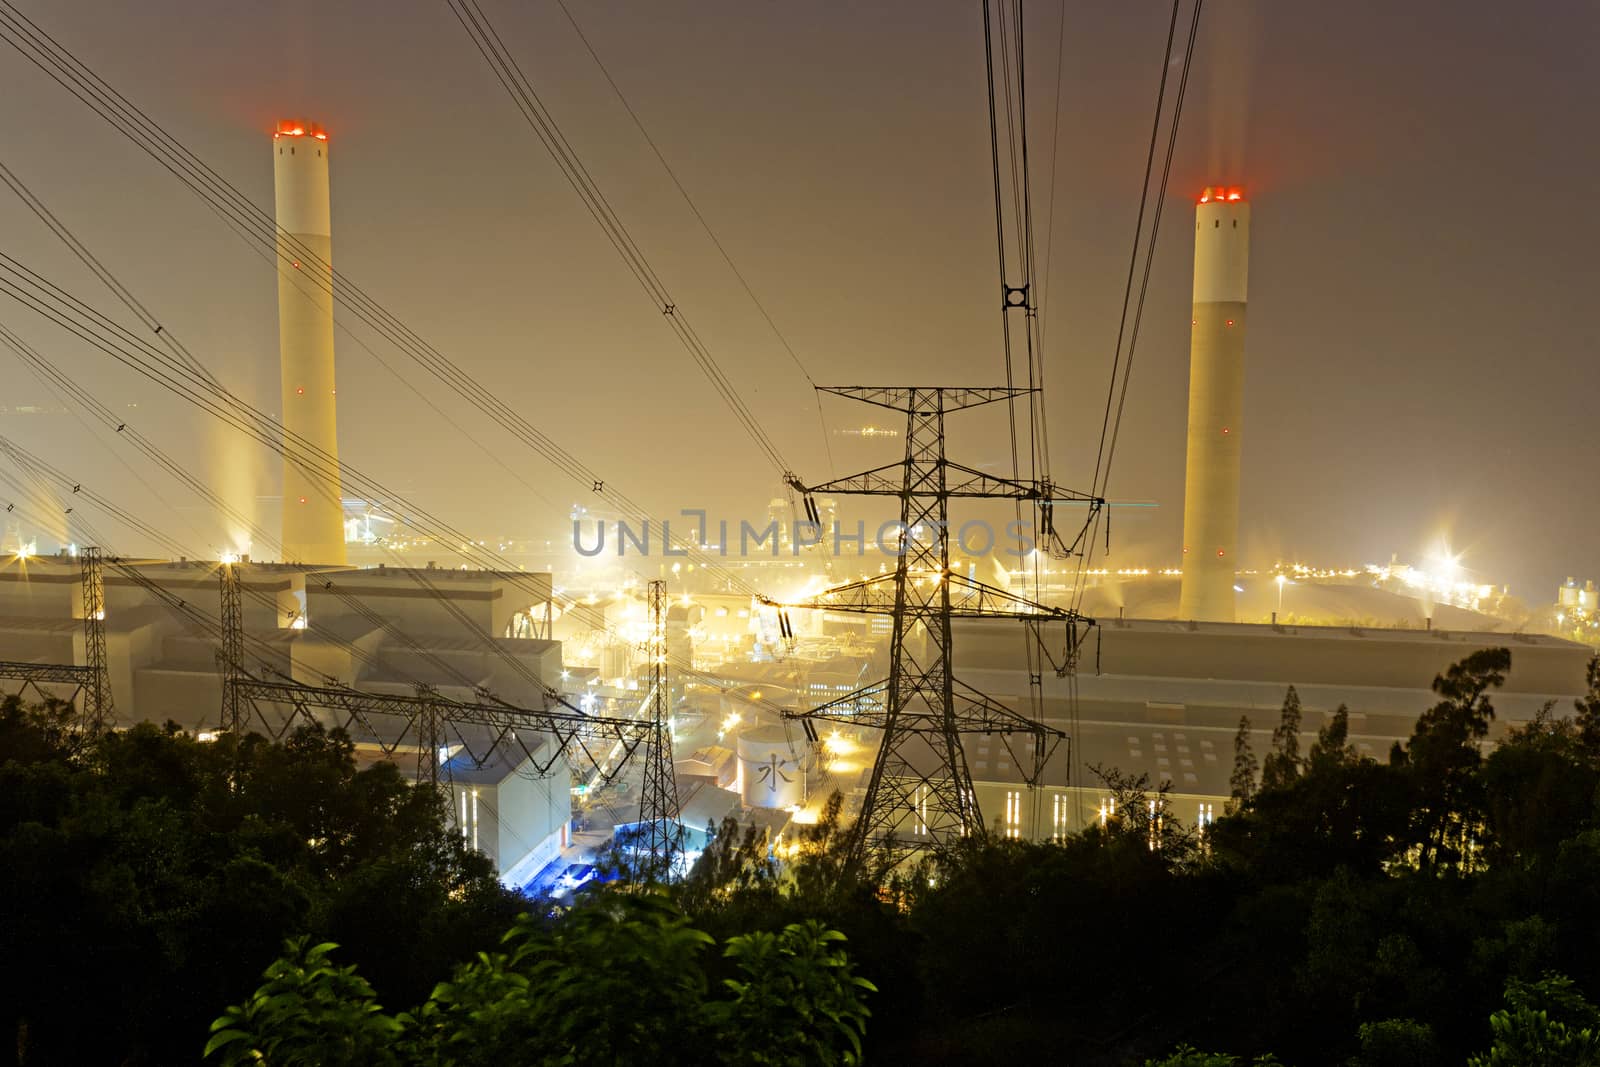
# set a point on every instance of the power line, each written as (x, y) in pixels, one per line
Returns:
(506, 70)
(704, 224)
(1109, 446)
(106, 335)
(228, 201)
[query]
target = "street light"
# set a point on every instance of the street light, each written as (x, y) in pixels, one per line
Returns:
(1282, 581)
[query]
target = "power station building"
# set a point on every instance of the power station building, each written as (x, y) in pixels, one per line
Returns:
(1216, 405)
(381, 630)
(1164, 697)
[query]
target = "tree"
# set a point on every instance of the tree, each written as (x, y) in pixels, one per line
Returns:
(737, 864)
(1443, 756)
(1546, 1023)
(796, 1003)
(600, 983)
(1538, 789)
(1332, 744)
(1185, 1056)
(1588, 709)
(1282, 765)
(620, 979)
(1397, 1043)
(154, 876)
(1242, 783)
(308, 1011)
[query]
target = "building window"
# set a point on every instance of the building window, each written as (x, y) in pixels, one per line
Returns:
(1058, 817)
(469, 817)
(1013, 812)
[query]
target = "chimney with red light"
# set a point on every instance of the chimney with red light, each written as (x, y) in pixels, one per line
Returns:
(1216, 406)
(313, 511)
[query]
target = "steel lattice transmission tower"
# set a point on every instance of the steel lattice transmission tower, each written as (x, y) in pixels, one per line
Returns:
(483, 730)
(920, 797)
(97, 706)
(660, 831)
(230, 657)
(430, 737)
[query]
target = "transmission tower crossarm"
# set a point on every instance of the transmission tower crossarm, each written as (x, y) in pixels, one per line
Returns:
(969, 599)
(71, 673)
(846, 710)
(909, 399)
(983, 714)
(503, 722)
(983, 484)
(887, 480)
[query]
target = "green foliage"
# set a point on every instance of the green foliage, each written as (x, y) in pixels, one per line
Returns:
(736, 863)
(1358, 912)
(1546, 1023)
(155, 876)
(1397, 1043)
(1185, 1056)
(309, 1013)
(618, 979)
(569, 990)
(797, 1003)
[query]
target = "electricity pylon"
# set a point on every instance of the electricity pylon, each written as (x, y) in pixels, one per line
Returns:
(230, 657)
(98, 710)
(481, 730)
(661, 832)
(919, 797)
(91, 679)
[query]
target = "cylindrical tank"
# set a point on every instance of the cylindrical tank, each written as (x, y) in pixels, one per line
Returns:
(313, 512)
(770, 775)
(1216, 405)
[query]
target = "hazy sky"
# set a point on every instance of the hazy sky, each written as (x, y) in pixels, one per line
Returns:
(1422, 349)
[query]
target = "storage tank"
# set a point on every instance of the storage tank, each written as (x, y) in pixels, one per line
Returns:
(770, 773)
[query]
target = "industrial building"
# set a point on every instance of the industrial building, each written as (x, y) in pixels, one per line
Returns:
(1164, 698)
(380, 630)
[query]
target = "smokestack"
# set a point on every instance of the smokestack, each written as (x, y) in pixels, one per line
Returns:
(1216, 405)
(313, 513)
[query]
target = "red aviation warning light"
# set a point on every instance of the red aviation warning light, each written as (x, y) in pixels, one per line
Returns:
(300, 128)
(1221, 194)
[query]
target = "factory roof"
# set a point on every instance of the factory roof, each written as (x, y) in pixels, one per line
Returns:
(1476, 638)
(27, 624)
(433, 574)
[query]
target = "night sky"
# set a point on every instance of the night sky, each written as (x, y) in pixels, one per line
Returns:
(1422, 348)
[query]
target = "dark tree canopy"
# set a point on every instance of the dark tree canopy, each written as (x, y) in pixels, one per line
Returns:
(1433, 908)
